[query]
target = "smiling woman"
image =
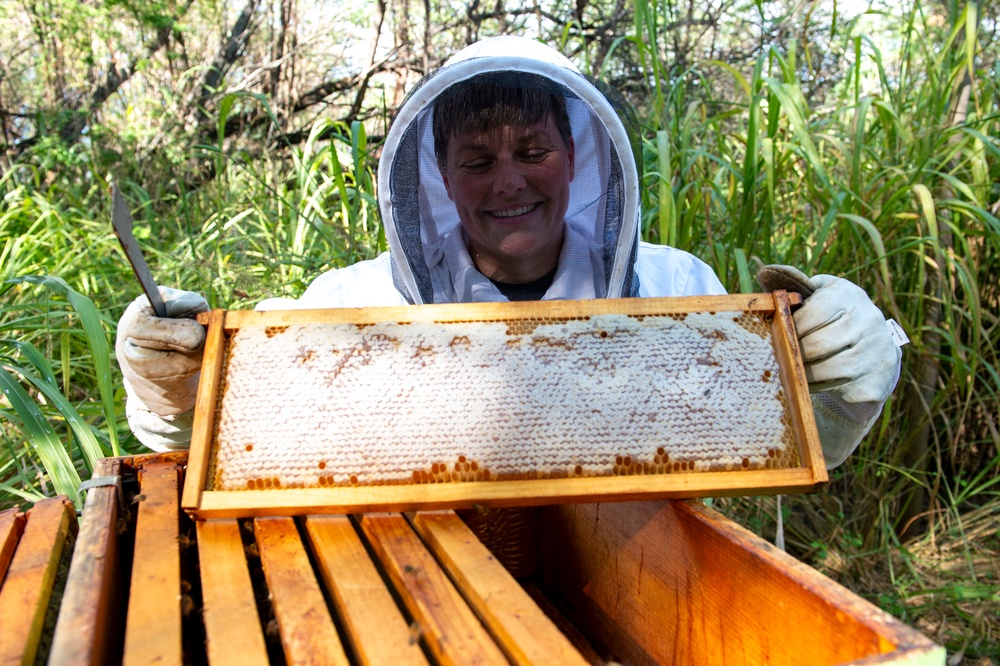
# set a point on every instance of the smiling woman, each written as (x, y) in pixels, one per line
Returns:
(510, 186)
(504, 166)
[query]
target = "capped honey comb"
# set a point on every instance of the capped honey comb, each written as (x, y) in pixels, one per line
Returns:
(318, 405)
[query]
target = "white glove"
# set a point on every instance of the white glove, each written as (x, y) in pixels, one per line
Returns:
(160, 359)
(851, 359)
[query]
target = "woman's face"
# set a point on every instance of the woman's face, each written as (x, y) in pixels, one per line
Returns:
(510, 186)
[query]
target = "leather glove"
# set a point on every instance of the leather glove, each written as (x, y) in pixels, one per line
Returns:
(847, 348)
(850, 356)
(160, 358)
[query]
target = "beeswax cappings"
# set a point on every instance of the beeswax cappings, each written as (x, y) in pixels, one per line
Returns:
(317, 405)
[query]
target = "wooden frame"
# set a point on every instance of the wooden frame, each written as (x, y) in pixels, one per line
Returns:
(204, 502)
(91, 615)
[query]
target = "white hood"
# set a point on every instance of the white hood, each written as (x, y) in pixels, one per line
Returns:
(603, 214)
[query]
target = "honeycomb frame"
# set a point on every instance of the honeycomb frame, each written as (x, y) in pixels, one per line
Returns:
(563, 407)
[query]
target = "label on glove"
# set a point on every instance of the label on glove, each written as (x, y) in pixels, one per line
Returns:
(897, 332)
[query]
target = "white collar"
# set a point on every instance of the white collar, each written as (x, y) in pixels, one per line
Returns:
(456, 280)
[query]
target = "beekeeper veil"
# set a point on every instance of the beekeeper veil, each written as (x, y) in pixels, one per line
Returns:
(430, 260)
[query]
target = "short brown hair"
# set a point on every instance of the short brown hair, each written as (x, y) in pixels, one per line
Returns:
(477, 105)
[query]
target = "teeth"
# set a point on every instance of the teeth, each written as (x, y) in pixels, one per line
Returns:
(513, 212)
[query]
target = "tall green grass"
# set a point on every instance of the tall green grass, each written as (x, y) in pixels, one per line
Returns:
(891, 188)
(60, 395)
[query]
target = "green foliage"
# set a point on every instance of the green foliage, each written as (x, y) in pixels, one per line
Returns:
(38, 405)
(258, 229)
(891, 183)
(876, 176)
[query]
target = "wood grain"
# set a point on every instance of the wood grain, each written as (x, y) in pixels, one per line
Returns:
(204, 410)
(796, 387)
(449, 628)
(503, 311)
(308, 635)
(375, 626)
(11, 527)
(153, 624)
(233, 633)
(465, 495)
(24, 597)
(523, 631)
(677, 583)
(91, 617)
(568, 629)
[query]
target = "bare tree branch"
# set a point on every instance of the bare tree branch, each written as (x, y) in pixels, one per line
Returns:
(114, 80)
(365, 79)
(239, 36)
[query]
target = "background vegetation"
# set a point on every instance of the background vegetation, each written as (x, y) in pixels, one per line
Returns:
(861, 141)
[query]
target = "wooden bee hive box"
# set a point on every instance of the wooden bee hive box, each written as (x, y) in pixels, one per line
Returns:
(656, 582)
(35, 547)
(394, 487)
(500, 404)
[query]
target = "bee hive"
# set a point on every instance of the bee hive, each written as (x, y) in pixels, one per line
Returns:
(337, 404)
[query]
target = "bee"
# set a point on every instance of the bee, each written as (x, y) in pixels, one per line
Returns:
(415, 632)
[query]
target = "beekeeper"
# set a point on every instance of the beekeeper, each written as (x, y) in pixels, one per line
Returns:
(508, 175)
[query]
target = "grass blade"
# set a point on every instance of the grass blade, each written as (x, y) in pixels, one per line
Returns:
(97, 340)
(42, 438)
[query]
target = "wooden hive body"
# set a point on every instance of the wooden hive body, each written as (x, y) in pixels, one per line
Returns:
(654, 582)
(34, 547)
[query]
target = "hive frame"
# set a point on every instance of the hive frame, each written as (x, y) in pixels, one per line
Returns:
(807, 477)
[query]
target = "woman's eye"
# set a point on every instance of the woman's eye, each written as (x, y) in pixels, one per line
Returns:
(476, 166)
(535, 155)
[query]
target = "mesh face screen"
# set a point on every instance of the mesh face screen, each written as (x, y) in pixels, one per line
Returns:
(538, 151)
(320, 405)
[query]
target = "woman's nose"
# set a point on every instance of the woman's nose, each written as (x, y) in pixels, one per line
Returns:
(509, 179)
